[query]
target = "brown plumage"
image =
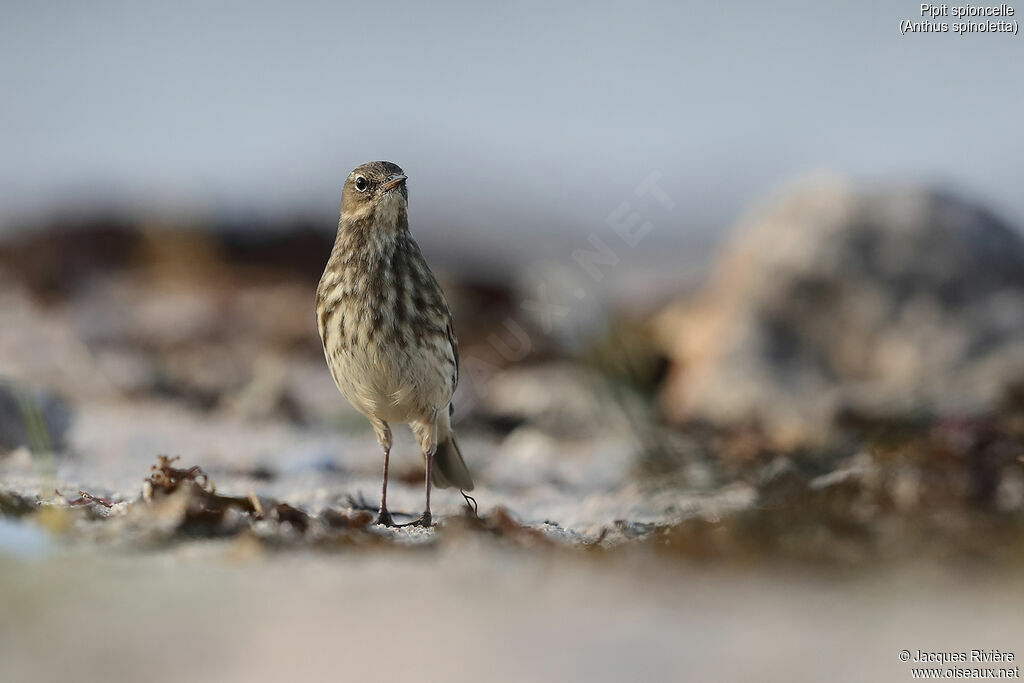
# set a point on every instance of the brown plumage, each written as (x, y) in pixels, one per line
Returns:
(386, 328)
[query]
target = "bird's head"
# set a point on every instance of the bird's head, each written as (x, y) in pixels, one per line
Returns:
(375, 189)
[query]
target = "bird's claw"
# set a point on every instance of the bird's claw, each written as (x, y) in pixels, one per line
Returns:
(425, 521)
(385, 519)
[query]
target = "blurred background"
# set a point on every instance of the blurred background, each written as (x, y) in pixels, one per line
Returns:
(737, 285)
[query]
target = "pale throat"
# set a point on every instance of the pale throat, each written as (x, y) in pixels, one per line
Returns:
(382, 237)
(387, 210)
(390, 208)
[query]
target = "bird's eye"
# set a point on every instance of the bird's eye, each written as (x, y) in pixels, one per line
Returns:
(361, 183)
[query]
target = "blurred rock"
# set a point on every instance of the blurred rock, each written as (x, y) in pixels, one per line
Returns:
(780, 481)
(54, 259)
(831, 300)
(32, 418)
(14, 505)
(40, 347)
(559, 398)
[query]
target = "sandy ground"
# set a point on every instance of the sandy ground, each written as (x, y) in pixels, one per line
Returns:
(474, 611)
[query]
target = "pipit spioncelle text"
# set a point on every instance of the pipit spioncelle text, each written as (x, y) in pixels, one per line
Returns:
(386, 328)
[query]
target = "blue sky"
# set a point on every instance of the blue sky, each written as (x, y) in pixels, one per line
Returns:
(512, 120)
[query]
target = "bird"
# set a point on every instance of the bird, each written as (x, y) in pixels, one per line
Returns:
(387, 329)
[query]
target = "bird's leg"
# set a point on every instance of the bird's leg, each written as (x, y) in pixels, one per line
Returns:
(426, 435)
(384, 437)
(425, 520)
(385, 517)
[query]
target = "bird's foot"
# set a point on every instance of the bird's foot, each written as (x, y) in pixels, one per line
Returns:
(385, 519)
(425, 521)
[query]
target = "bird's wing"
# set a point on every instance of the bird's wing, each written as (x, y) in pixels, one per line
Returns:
(455, 348)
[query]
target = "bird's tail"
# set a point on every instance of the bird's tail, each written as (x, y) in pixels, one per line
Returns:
(449, 467)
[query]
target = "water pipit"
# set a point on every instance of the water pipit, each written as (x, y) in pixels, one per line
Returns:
(386, 328)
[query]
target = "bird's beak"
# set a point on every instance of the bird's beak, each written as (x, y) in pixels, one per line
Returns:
(393, 182)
